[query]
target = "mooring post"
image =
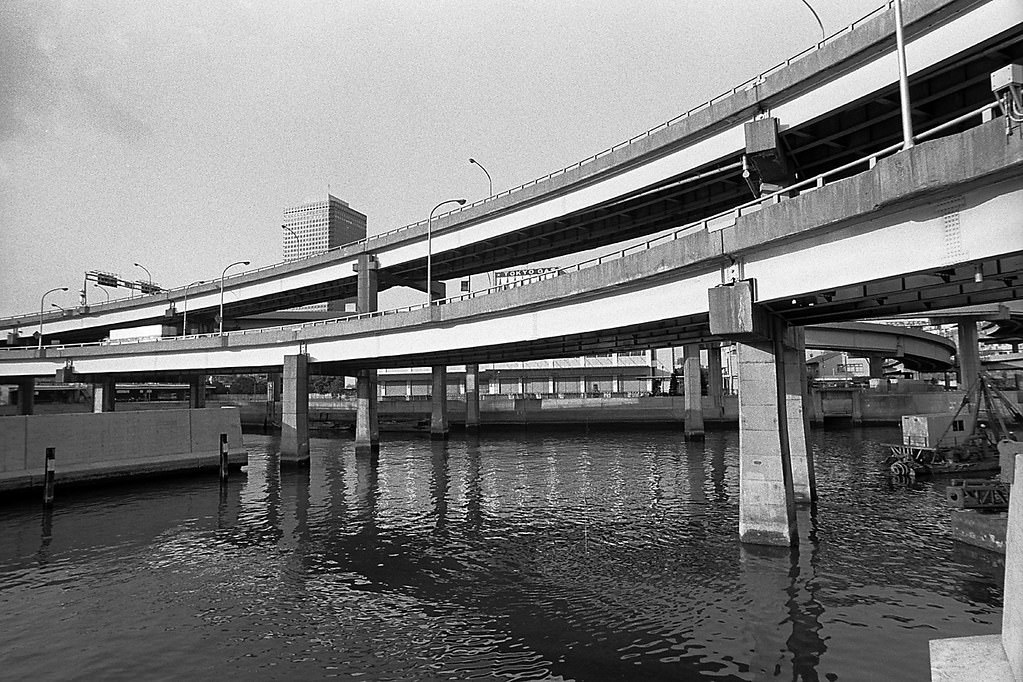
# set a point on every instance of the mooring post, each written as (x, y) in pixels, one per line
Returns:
(48, 476)
(223, 458)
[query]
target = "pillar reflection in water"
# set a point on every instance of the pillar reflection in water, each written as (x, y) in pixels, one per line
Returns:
(439, 482)
(474, 516)
(782, 587)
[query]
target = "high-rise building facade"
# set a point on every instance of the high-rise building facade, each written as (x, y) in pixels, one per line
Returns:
(316, 226)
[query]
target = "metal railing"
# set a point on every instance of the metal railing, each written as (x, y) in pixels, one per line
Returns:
(726, 218)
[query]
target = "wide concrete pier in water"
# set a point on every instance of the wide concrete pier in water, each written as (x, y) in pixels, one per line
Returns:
(108, 445)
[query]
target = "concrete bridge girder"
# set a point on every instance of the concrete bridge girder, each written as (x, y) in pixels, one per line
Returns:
(861, 65)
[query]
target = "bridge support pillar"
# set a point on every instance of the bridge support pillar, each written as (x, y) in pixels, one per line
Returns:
(197, 392)
(26, 396)
(367, 426)
(804, 480)
(968, 353)
(692, 394)
(103, 394)
(767, 510)
(367, 432)
(714, 385)
(472, 398)
(295, 411)
(439, 404)
(876, 368)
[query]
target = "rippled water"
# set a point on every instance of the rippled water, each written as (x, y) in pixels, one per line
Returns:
(580, 555)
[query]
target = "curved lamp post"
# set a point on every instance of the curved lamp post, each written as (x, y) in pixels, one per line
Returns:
(429, 247)
(241, 262)
(148, 274)
(42, 302)
(184, 314)
(293, 234)
(824, 35)
(104, 290)
(488, 175)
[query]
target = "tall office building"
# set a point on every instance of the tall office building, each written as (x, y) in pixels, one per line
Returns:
(316, 226)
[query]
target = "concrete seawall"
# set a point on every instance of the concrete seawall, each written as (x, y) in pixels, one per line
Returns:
(92, 447)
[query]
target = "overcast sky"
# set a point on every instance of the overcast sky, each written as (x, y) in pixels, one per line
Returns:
(173, 134)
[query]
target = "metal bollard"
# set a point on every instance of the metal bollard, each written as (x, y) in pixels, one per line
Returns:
(223, 457)
(48, 476)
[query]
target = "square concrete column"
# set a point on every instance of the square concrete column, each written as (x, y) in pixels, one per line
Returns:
(103, 394)
(767, 514)
(26, 396)
(196, 392)
(365, 415)
(472, 398)
(968, 353)
(367, 283)
(439, 404)
(804, 482)
(295, 411)
(367, 425)
(693, 401)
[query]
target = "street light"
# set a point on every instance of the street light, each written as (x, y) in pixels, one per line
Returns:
(900, 48)
(429, 247)
(293, 234)
(42, 302)
(488, 175)
(58, 307)
(150, 276)
(824, 35)
(241, 262)
(104, 290)
(184, 314)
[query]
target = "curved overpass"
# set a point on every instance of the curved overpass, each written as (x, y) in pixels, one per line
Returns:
(832, 104)
(872, 245)
(918, 350)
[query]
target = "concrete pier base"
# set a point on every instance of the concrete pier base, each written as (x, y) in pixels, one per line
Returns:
(295, 411)
(692, 392)
(367, 431)
(766, 498)
(439, 404)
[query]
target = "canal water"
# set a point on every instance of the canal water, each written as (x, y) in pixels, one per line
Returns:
(552, 555)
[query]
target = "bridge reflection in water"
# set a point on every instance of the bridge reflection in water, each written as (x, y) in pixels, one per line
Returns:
(547, 555)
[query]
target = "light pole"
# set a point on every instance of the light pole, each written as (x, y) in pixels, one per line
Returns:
(241, 262)
(184, 314)
(148, 274)
(900, 48)
(488, 175)
(103, 289)
(293, 234)
(819, 23)
(58, 307)
(429, 247)
(42, 302)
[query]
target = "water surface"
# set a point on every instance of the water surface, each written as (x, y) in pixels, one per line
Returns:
(600, 555)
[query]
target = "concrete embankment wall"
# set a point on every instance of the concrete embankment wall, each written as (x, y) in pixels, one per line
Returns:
(115, 444)
(509, 410)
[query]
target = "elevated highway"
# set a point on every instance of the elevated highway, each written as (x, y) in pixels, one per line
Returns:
(909, 235)
(834, 103)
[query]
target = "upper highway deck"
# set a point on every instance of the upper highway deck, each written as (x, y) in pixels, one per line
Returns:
(834, 102)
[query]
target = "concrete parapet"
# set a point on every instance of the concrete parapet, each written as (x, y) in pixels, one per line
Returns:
(99, 446)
